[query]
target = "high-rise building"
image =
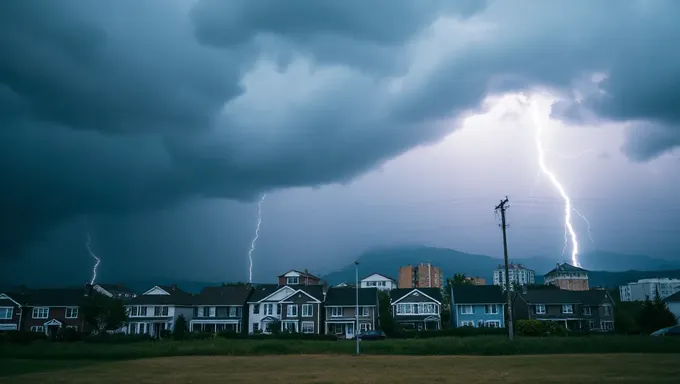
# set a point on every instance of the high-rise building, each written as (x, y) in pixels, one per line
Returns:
(648, 288)
(423, 275)
(568, 277)
(519, 275)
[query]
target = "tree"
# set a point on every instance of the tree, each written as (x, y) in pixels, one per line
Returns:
(104, 313)
(181, 328)
(655, 315)
(387, 323)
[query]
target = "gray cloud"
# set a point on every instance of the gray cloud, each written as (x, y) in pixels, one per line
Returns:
(118, 106)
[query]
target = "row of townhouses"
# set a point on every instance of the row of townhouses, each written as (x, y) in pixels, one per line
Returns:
(301, 302)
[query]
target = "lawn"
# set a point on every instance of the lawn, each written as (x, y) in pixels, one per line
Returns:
(481, 345)
(301, 369)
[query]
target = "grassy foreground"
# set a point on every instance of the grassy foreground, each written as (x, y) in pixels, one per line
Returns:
(582, 369)
(483, 345)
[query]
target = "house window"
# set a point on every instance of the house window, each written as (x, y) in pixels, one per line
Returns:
(493, 324)
(491, 309)
(363, 327)
(363, 311)
(587, 311)
(72, 313)
(540, 309)
(467, 323)
(233, 311)
(211, 311)
(256, 309)
(278, 309)
(292, 310)
(607, 310)
(138, 311)
(290, 326)
(337, 311)
(268, 309)
(607, 325)
(292, 280)
(160, 311)
(6, 313)
(41, 313)
(256, 327)
(37, 328)
(466, 310)
(591, 324)
(567, 308)
(307, 311)
(307, 326)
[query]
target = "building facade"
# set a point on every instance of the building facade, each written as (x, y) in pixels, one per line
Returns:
(423, 275)
(379, 281)
(519, 275)
(477, 306)
(568, 277)
(648, 288)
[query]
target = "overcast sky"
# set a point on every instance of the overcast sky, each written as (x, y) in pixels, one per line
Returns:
(157, 125)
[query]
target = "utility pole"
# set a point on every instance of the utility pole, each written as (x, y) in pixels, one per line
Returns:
(356, 311)
(502, 207)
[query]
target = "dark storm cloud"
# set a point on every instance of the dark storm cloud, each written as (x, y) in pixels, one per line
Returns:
(126, 105)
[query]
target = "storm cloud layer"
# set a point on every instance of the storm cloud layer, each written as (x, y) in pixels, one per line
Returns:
(114, 106)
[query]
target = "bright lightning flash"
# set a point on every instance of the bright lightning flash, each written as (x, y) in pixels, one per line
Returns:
(569, 228)
(257, 234)
(96, 264)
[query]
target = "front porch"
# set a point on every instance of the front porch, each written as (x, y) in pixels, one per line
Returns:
(430, 323)
(571, 324)
(215, 326)
(153, 328)
(345, 328)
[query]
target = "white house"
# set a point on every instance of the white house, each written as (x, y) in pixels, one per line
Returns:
(377, 280)
(158, 309)
(297, 309)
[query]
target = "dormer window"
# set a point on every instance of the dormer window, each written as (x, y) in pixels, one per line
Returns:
(292, 280)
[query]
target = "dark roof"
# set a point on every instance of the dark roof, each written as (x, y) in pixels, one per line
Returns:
(477, 294)
(223, 295)
(7, 303)
(316, 291)
(376, 273)
(674, 298)
(398, 293)
(307, 274)
(176, 297)
(117, 288)
(348, 296)
(564, 267)
(559, 296)
(55, 297)
(261, 291)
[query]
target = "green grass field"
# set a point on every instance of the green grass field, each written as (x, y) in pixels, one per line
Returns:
(482, 345)
(303, 369)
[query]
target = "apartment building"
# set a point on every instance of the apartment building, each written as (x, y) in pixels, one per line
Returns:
(568, 277)
(519, 275)
(648, 288)
(423, 275)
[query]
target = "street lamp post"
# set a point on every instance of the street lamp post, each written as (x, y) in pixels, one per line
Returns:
(356, 311)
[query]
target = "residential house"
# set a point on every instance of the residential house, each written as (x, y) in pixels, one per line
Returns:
(673, 302)
(578, 310)
(11, 311)
(117, 291)
(294, 277)
(157, 310)
(377, 280)
(477, 306)
(219, 309)
(341, 309)
(296, 308)
(48, 310)
(567, 277)
(416, 308)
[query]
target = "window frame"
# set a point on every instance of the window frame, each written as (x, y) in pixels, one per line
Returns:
(289, 310)
(292, 278)
(467, 310)
(340, 310)
(9, 311)
(310, 310)
(542, 311)
(73, 310)
(568, 309)
(37, 313)
(304, 323)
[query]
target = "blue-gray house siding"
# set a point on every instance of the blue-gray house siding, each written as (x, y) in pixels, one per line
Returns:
(477, 306)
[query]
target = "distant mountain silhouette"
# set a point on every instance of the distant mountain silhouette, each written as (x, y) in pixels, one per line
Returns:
(620, 269)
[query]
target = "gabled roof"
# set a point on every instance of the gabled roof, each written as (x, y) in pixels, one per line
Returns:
(346, 296)
(379, 274)
(261, 292)
(477, 294)
(315, 291)
(564, 267)
(302, 274)
(6, 300)
(400, 293)
(674, 298)
(559, 296)
(55, 297)
(223, 295)
(117, 288)
(175, 296)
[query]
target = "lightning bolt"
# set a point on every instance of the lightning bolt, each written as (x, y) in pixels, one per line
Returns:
(569, 228)
(88, 244)
(257, 234)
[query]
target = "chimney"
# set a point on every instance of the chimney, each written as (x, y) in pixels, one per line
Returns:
(525, 288)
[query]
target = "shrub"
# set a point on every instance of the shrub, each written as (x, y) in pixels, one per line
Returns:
(116, 338)
(539, 328)
(23, 337)
(181, 328)
(448, 332)
(279, 336)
